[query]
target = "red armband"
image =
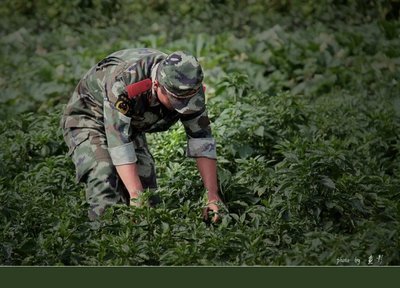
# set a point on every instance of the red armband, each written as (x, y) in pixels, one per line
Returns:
(138, 88)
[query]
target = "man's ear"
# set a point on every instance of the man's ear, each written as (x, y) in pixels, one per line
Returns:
(155, 85)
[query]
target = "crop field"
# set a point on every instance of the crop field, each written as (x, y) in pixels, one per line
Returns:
(304, 99)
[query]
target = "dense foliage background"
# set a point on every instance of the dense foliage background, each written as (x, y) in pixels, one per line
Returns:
(304, 99)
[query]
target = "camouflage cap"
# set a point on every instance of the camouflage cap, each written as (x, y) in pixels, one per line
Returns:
(181, 75)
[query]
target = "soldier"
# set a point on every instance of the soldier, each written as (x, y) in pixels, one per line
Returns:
(127, 94)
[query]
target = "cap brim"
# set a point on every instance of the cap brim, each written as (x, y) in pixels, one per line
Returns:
(190, 105)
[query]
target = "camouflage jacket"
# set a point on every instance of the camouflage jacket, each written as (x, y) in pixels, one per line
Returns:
(96, 104)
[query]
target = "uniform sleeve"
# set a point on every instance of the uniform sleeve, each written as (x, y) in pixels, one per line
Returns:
(118, 107)
(200, 142)
(118, 131)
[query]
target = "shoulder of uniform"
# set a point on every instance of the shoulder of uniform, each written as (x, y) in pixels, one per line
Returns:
(135, 89)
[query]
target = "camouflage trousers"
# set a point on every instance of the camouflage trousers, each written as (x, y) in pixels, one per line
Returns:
(94, 168)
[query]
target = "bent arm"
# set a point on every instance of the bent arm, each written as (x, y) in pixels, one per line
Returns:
(208, 171)
(130, 176)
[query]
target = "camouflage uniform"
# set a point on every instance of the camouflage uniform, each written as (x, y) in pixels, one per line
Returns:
(114, 105)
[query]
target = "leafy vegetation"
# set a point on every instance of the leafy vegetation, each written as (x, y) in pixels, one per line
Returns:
(304, 100)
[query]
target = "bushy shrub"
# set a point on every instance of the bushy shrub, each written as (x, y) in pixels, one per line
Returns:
(304, 108)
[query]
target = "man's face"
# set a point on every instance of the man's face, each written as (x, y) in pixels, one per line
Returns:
(163, 97)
